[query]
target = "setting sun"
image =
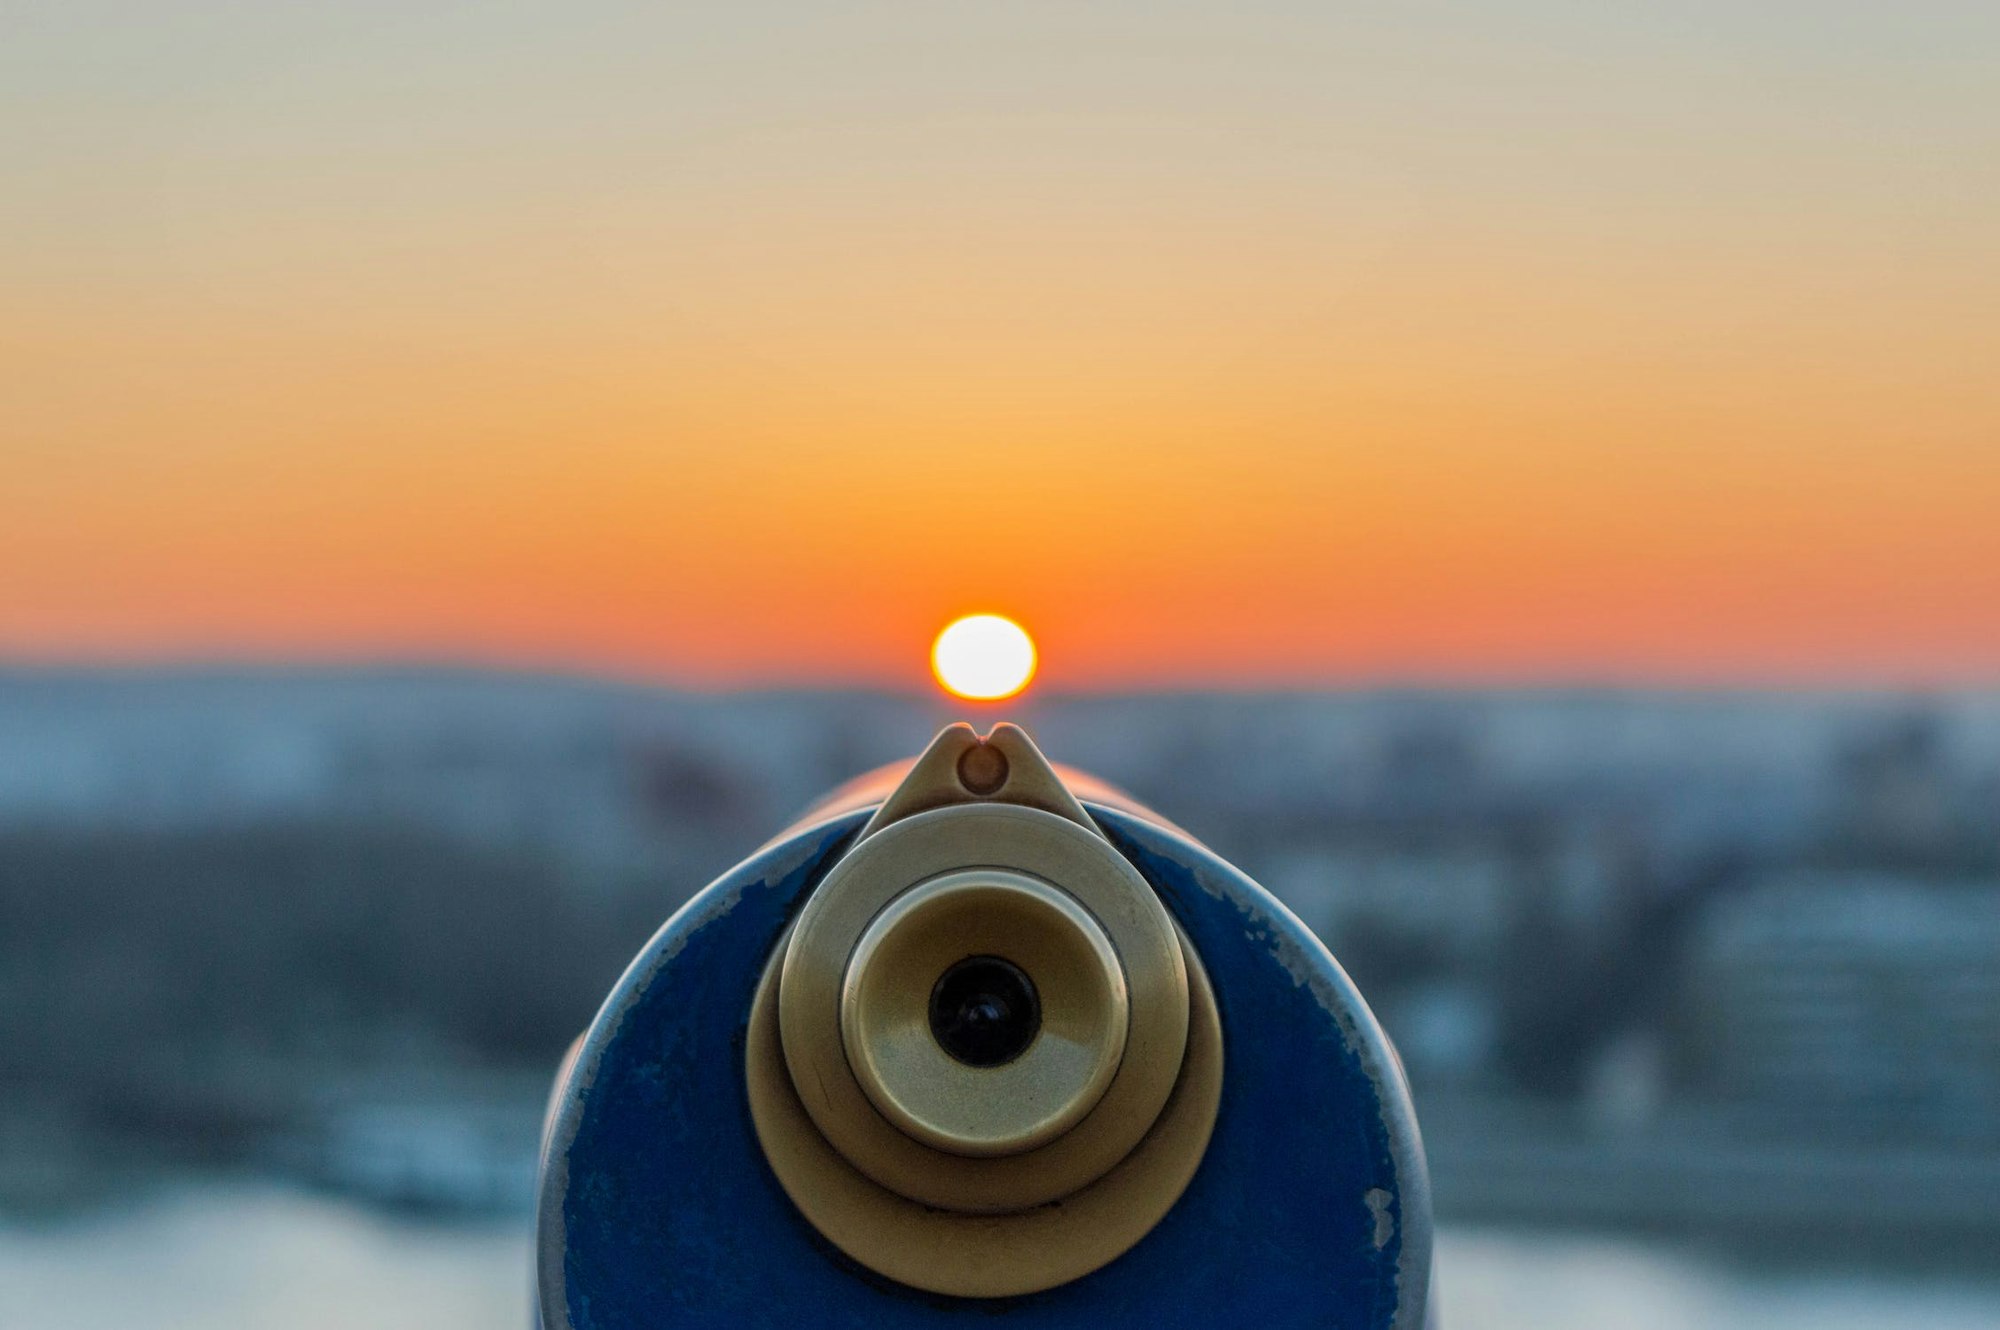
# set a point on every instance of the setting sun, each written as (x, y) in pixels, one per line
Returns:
(984, 657)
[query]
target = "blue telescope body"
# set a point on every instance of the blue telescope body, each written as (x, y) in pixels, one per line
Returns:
(706, 1163)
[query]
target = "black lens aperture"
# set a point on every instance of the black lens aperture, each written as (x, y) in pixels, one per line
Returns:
(984, 1011)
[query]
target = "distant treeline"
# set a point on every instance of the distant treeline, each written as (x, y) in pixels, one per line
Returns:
(206, 973)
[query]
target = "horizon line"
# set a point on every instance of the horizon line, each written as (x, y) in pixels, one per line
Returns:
(219, 665)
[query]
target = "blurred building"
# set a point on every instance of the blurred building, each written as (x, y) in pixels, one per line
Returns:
(1863, 1004)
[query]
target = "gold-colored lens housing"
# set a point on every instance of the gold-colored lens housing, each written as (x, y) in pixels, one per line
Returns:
(1039, 1094)
(985, 1255)
(995, 1179)
(966, 1173)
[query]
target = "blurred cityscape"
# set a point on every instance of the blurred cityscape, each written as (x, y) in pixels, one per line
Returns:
(1720, 965)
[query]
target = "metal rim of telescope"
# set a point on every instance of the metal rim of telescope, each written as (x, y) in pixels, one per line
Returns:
(987, 1255)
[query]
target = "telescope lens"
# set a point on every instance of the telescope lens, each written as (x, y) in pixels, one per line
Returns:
(984, 1011)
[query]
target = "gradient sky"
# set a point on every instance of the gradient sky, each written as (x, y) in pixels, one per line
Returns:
(1250, 343)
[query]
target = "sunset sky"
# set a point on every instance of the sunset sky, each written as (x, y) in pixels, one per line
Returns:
(1252, 343)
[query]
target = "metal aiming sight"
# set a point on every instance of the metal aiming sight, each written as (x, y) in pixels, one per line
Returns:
(980, 1037)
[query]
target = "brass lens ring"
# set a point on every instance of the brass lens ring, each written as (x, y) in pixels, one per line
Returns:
(985, 1256)
(1058, 968)
(1061, 886)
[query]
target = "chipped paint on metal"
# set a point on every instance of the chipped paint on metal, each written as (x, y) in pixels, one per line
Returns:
(1385, 1221)
(776, 865)
(1174, 865)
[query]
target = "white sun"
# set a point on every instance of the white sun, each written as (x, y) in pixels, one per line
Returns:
(984, 657)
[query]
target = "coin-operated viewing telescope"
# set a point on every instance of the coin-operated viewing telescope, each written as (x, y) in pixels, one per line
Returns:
(980, 1038)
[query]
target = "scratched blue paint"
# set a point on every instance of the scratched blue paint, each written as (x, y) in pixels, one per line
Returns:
(669, 1216)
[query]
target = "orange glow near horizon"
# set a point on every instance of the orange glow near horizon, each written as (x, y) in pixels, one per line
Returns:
(751, 359)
